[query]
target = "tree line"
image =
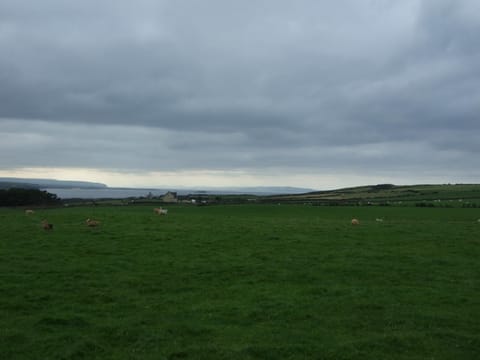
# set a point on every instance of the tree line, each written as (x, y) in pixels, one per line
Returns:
(21, 197)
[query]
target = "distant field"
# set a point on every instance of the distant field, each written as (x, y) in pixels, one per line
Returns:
(241, 282)
(461, 195)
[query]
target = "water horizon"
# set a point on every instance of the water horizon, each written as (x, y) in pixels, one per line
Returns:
(123, 193)
(106, 193)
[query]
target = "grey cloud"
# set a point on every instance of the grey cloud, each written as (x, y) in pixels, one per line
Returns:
(285, 83)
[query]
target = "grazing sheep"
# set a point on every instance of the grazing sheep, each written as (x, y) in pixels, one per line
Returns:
(355, 222)
(379, 219)
(29, 212)
(92, 223)
(46, 225)
(160, 211)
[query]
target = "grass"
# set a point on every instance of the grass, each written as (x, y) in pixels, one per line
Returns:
(240, 282)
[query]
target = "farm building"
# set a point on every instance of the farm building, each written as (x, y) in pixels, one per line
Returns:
(170, 197)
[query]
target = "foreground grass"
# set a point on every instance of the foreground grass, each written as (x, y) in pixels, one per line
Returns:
(240, 282)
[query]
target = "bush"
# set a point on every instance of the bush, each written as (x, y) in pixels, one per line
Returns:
(22, 197)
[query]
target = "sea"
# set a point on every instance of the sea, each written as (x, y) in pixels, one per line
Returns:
(123, 193)
(109, 193)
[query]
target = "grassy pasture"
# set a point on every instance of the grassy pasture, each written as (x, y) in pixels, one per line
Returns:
(240, 282)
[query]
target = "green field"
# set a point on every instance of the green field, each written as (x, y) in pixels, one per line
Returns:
(240, 282)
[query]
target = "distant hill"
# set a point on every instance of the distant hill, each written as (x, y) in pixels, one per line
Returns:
(9, 182)
(389, 194)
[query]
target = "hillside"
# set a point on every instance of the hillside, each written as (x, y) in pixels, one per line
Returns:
(386, 194)
(8, 182)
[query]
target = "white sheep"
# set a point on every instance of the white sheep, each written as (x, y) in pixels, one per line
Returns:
(160, 211)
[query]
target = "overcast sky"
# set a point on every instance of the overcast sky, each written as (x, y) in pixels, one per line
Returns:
(309, 93)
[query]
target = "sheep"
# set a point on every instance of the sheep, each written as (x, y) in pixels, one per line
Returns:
(29, 212)
(355, 222)
(160, 211)
(379, 219)
(46, 225)
(92, 223)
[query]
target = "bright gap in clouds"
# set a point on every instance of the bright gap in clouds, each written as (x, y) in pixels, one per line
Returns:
(214, 178)
(171, 179)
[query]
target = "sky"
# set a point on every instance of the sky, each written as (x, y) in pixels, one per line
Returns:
(308, 93)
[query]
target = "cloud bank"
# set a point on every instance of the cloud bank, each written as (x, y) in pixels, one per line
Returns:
(314, 92)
